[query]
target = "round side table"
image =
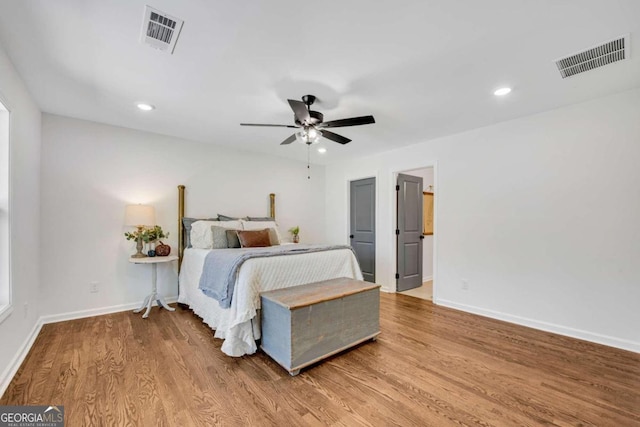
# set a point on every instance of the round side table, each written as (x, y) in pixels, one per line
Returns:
(153, 296)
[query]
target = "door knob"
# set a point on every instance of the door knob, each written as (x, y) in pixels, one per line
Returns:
(421, 237)
(351, 236)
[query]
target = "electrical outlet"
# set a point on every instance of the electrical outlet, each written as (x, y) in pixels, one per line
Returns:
(93, 287)
(465, 285)
(25, 308)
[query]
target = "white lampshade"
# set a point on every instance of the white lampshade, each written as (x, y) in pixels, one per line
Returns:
(139, 215)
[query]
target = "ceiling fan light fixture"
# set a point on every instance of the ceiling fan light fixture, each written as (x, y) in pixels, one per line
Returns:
(313, 134)
(309, 135)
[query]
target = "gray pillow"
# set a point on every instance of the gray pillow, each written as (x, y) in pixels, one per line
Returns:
(186, 225)
(260, 218)
(227, 218)
(219, 237)
(232, 239)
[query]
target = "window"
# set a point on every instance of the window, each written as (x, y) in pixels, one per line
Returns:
(5, 278)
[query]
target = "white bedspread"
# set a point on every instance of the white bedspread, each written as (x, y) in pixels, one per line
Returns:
(238, 325)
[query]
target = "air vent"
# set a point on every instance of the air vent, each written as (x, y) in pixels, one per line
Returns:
(160, 30)
(598, 56)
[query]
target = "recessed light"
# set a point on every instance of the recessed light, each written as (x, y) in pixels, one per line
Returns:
(322, 150)
(502, 91)
(146, 107)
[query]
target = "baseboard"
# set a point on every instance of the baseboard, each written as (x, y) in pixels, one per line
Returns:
(17, 360)
(54, 318)
(427, 279)
(544, 326)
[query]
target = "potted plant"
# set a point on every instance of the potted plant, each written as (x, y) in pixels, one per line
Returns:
(295, 231)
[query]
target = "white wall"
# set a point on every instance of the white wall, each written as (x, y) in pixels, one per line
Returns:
(427, 243)
(540, 215)
(18, 327)
(90, 171)
(5, 232)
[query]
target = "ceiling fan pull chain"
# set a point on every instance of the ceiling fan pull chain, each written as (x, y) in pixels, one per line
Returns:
(308, 161)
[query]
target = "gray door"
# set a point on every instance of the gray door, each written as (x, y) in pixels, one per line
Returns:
(363, 225)
(409, 232)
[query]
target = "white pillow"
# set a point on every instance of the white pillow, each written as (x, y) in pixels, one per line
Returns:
(274, 233)
(202, 236)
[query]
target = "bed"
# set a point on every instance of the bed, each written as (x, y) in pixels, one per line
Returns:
(239, 324)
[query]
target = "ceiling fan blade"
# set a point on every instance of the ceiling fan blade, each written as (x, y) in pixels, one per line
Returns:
(334, 137)
(353, 121)
(289, 140)
(273, 126)
(300, 110)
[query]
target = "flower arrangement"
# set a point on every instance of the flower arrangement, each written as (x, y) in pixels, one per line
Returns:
(147, 234)
(154, 233)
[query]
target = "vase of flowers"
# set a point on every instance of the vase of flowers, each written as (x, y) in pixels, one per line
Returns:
(295, 231)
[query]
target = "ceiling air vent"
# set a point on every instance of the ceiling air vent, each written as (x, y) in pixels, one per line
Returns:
(598, 56)
(160, 30)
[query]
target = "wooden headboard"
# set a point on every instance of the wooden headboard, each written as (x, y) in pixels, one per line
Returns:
(181, 231)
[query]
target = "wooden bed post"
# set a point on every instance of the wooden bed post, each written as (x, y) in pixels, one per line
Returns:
(272, 205)
(180, 229)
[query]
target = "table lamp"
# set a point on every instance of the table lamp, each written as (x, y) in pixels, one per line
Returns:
(139, 216)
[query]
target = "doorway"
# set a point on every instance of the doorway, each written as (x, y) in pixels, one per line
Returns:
(362, 225)
(414, 235)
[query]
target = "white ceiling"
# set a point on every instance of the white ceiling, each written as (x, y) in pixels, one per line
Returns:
(423, 68)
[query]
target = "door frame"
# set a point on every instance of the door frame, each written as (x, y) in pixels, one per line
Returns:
(393, 242)
(351, 178)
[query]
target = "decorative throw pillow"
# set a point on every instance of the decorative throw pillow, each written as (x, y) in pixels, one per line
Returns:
(232, 238)
(186, 224)
(219, 235)
(200, 236)
(271, 225)
(254, 238)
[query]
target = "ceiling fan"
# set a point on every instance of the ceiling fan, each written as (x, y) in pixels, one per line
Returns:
(311, 124)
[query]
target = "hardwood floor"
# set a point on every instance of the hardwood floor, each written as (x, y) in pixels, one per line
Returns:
(431, 366)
